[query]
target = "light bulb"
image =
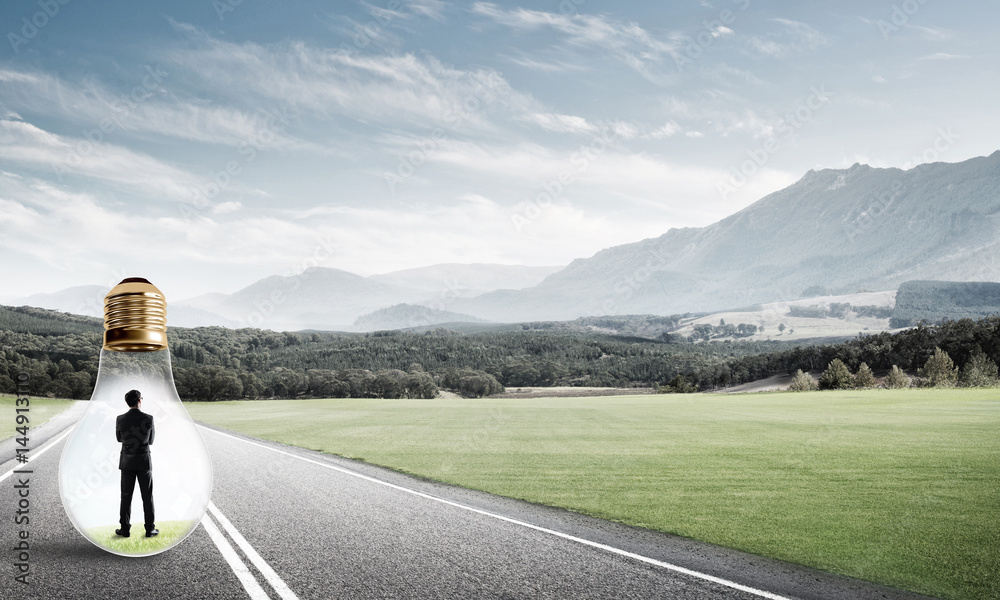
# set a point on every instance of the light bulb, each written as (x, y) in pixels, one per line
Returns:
(135, 357)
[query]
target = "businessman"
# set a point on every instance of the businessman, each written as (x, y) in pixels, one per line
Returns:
(135, 431)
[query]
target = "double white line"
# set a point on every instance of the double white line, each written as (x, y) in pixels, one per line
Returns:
(240, 569)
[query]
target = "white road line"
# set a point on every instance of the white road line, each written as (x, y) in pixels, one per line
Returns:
(566, 536)
(241, 571)
(33, 454)
(265, 569)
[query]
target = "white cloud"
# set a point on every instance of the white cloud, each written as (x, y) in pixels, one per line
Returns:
(627, 41)
(24, 143)
(944, 56)
(227, 207)
(793, 37)
(668, 129)
(561, 123)
(392, 90)
(145, 107)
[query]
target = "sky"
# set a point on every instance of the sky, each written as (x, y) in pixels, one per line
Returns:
(208, 144)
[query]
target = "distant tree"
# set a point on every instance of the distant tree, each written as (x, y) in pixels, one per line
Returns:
(802, 382)
(678, 385)
(864, 378)
(896, 378)
(940, 370)
(836, 377)
(980, 371)
(781, 327)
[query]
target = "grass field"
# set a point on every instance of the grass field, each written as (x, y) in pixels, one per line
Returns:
(40, 411)
(900, 487)
(138, 544)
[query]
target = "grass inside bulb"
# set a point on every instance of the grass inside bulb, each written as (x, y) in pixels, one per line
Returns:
(135, 357)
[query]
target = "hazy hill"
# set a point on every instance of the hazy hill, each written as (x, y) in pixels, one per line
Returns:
(402, 316)
(450, 280)
(318, 298)
(88, 300)
(845, 230)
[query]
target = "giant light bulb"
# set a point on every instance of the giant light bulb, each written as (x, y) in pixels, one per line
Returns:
(135, 357)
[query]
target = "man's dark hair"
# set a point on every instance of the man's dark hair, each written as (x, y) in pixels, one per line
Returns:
(132, 398)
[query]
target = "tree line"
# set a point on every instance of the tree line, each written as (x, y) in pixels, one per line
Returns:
(965, 342)
(60, 353)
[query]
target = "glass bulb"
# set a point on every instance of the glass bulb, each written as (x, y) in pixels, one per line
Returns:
(135, 357)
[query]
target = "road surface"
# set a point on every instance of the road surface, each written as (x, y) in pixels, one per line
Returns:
(288, 523)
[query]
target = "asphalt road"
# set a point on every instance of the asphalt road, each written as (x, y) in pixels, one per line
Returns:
(290, 523)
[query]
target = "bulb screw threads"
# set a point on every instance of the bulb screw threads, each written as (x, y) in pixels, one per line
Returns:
(135, 317)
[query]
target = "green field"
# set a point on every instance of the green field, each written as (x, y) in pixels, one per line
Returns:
(138, 544)
(900, 487)
(40, 411)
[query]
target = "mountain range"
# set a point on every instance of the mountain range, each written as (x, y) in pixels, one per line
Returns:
(845, 230)
(839, 230)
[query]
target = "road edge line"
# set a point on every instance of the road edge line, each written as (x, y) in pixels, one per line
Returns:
(36, 453)
(566, 536)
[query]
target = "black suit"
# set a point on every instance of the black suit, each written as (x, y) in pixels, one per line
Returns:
(135, 431)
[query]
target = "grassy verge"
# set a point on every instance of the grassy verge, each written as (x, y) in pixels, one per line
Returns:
(138, 544)
(900, 487)
(40, 411)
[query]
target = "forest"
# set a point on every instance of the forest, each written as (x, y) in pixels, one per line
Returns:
(963, 340)
(60, 353)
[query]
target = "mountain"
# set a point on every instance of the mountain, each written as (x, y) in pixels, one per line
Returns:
(317, 298)
(844, 230)
(88, 300)
(466, 280)
(402, 316)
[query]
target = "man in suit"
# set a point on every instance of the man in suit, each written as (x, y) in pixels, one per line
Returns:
(135, 431)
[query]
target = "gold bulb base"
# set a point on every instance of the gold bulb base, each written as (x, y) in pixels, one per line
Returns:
(135, 317)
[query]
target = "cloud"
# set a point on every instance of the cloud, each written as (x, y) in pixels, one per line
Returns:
(944, 56)
(59, 156)
(561, 123)
(554, 66)
(668, 129)
(390, 89)
(793, 37)
(626, 41)
(146, 107)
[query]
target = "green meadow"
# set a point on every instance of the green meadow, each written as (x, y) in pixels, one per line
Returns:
(896, 486)
(138, 544)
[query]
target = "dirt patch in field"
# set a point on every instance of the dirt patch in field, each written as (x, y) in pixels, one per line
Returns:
(570, 392)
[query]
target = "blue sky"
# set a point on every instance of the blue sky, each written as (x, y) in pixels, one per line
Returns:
(205, 145)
